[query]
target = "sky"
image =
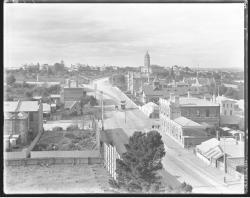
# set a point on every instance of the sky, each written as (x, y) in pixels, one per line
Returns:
(204, 35)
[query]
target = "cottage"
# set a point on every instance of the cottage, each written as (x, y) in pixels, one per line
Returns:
(226, 154)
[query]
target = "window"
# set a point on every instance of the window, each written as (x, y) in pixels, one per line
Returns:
(207, 113)
(224, 105)
(225, 112)
(231, 112)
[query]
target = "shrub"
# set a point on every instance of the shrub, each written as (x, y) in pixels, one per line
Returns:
(72, 127)
(57, 128)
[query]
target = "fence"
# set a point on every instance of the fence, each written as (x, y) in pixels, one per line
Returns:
(51, 161)
(25, 152)
(65, 154)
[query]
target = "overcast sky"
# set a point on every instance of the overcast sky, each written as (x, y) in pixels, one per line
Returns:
(208, 35)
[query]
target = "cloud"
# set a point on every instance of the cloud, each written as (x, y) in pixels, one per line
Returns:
(121, 33)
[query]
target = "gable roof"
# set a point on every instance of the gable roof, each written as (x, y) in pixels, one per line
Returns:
(226, 145)
(69, 104)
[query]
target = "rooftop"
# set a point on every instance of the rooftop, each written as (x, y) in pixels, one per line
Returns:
(10, 106)
(69, 104)
(185, 101)
(150, 104)
(226, 145)
(29, 106)
(17, 106)
(185, 122)
(55, 95)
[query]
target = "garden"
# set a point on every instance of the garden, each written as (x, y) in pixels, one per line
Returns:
(67, 140)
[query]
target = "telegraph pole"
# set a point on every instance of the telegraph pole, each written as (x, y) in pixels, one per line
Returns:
(102, 110)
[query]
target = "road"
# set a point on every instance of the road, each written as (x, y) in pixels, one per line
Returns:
(179, 162)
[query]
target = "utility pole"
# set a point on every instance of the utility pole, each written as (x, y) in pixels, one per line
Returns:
(102, 110)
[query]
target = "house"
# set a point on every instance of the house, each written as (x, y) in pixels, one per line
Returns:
(22, 117)
(72, 107)
(113, 146)
(72, 94)
(199, 110)
(151, 110)
(152, 92)
(184, 131)
(226, 154)
(229, 112)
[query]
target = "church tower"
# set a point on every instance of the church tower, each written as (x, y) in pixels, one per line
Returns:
(147, 62)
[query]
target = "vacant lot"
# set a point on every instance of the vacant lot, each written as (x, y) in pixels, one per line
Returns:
(67, 140)
(56, 179)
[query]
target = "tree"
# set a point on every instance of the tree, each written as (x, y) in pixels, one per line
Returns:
(137, 170)
(11, 79)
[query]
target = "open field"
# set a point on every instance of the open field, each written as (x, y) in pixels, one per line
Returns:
(56, 179)
(67, 140)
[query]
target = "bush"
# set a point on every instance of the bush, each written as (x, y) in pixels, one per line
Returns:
(57, 129)
(72, 127)
(70, 136)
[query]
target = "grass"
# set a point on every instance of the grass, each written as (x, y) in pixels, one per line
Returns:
(55, 179)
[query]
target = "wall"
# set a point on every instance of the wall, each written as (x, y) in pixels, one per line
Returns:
(17, 126)
(25, 152)
(191, 113)
(65, 154)
(50, 161)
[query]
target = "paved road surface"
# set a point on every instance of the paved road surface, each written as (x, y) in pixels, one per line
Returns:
(179, 162)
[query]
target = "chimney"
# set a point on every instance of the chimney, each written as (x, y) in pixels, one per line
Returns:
(205, 98)
(188, 94)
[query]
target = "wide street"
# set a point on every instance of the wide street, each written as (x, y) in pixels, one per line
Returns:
(183, 164)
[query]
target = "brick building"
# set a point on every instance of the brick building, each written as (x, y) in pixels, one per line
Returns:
(198, 110)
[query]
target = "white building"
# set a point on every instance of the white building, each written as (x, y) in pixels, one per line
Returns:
(151, 110)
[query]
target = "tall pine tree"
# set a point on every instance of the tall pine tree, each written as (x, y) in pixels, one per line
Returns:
(137, 170)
